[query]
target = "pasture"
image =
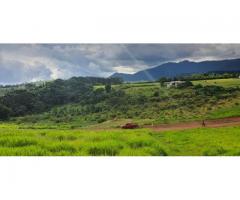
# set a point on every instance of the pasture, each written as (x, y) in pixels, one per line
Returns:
(230, 82)
(16, 141)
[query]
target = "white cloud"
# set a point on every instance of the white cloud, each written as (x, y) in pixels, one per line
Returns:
(28, 62)
(124, 69)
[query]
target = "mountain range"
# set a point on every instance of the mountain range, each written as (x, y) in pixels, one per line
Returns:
(183, 68)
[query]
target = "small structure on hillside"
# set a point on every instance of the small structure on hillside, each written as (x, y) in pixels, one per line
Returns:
(175, 83)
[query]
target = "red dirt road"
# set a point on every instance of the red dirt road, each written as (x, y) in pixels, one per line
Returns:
(230, 121)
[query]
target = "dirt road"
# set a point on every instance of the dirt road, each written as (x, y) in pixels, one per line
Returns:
(230, 121)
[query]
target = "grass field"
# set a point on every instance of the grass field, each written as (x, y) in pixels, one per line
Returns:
(15, 141)
(230, 82)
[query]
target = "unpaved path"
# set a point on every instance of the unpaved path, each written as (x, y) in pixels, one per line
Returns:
(230, 121)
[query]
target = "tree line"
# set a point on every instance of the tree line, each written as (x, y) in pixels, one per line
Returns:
(204, 76)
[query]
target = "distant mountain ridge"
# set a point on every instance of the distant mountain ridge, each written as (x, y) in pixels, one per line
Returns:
(175, 69)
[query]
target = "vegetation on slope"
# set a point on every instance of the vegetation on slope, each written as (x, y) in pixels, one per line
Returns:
(37, 99)
(146, 103)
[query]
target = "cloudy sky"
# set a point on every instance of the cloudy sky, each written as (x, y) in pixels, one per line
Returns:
(33, 62)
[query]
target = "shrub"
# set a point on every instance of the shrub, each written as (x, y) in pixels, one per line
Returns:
(185, 84)
(101, 120)
(156, 94)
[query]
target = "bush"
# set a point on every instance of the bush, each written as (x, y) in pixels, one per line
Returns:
(101, 120)
(185, 84)
(198, 86)
(156, 94)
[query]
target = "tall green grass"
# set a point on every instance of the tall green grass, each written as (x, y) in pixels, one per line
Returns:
(139, 142)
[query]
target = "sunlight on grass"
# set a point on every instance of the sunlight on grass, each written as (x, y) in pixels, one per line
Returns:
(139, 142)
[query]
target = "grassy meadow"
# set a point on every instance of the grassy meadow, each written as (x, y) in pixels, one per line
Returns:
(17, 141)
(228, 82)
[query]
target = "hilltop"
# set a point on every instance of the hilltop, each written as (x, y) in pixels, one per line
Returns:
(176, 69)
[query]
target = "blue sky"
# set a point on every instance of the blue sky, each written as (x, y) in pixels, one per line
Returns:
(33, 62)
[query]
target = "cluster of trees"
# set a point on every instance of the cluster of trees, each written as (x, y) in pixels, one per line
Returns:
(213, 90)
(205, 76)
(212, 75)
(37, 99)
(4, 112)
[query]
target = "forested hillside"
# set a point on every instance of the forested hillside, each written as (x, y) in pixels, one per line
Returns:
(33, 99)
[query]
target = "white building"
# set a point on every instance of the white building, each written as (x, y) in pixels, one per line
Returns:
(174, 83)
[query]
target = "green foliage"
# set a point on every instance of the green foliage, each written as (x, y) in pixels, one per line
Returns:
(21, 102)
(156, 94)
(77, 103)
(4, 112)
(186, 84)
(163, 80)
(108, 87)
(209, 76)
(36, 99)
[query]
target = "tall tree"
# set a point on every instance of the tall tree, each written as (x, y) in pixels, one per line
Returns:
(108, 87)
(4, 112)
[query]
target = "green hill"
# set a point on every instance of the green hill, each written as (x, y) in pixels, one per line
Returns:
(143, 103)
